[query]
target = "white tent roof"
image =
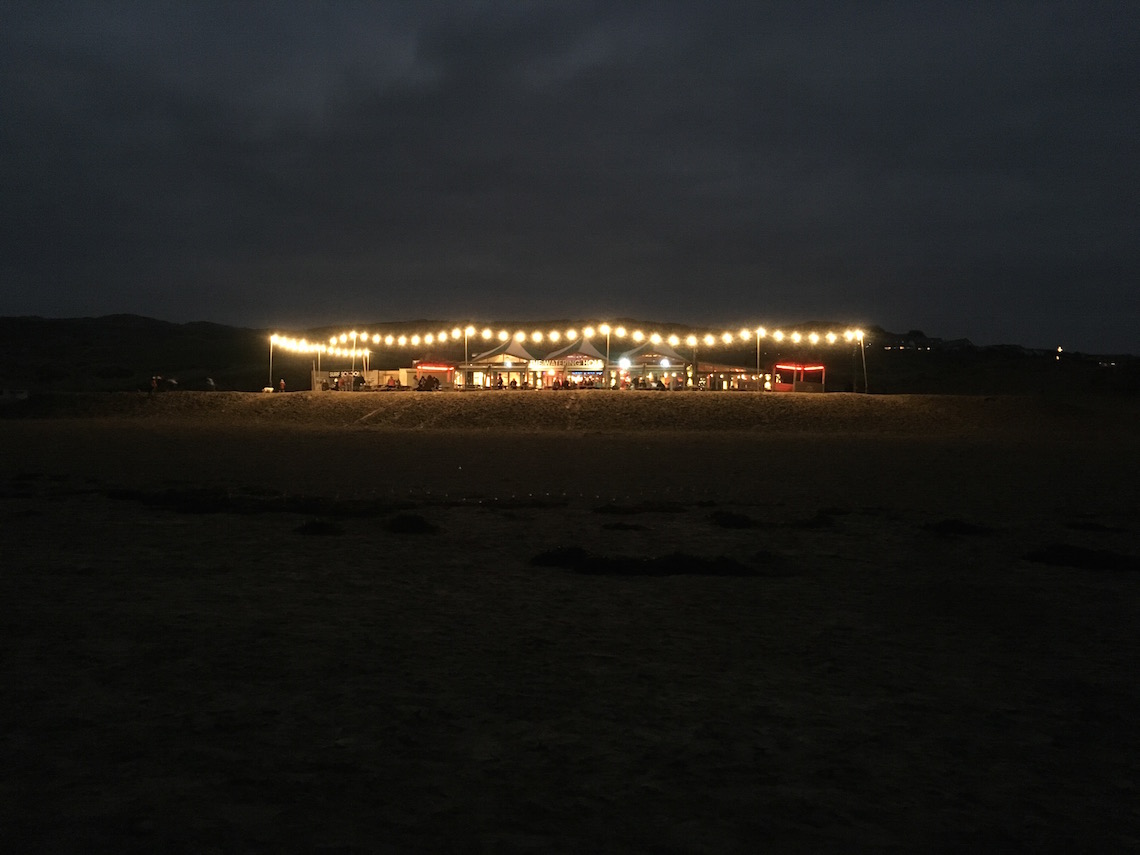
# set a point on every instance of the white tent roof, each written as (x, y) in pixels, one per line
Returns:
(581, 347)
(509, 349)
(648, 352)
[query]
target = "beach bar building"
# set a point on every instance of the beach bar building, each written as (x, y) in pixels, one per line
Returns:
(798, 377)
(719, 377)
(570, 360)
(499, 367)
(576, 365)
(650, 364)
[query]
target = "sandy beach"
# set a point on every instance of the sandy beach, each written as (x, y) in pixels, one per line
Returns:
(569, 622)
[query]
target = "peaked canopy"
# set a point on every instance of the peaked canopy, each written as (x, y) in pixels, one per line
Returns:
(581, 347)
(509, 349)
(652, 354)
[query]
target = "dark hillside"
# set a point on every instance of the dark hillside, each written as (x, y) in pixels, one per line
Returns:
(122, 352)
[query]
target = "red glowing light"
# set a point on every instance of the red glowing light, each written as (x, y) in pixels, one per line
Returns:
(794, 366)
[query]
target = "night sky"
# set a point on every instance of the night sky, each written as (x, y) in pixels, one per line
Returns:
(969, 169)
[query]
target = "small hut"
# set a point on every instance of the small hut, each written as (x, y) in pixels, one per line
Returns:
(431, 373)
(798, 377)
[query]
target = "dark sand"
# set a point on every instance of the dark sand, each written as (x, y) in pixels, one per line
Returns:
(224, 631)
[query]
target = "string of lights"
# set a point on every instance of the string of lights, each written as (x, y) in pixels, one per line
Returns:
(357, 341)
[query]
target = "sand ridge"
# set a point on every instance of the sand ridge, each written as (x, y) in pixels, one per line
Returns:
(597, 410)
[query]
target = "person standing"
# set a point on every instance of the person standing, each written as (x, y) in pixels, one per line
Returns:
(282, 384)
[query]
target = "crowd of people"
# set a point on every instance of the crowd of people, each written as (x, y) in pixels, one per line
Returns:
(432, 383)
(573, 384)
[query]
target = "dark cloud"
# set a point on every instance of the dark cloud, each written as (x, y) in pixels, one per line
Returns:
(970, 170)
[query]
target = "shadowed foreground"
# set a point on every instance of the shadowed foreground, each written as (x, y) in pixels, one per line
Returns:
(912, 628)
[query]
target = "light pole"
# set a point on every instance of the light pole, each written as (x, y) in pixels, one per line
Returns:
(759, 374)
(605, 329)
(468, 331)
(856, 339)
(272, 341)
(352, 373)
(863, 351)
(691, 341)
